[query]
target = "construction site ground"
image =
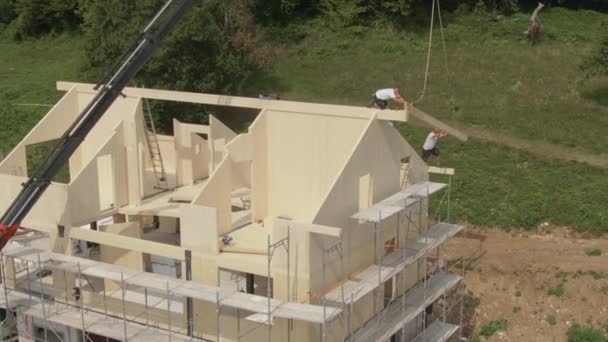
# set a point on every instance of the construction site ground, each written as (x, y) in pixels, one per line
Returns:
(516, 276)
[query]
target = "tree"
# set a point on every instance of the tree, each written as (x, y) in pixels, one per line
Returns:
(32, 18)
(214, 48)
(597, 63)
(273, 12)
(7, 11)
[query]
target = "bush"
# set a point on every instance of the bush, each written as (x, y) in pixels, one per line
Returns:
(342, 13)
(577, 333)
(593, 252)
(37, 17)
(551, 320)
(494, 326)
(597, 63)
(7, 11)
(557, 291)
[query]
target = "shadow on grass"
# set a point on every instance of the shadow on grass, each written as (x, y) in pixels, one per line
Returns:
(598, 95)
(264, 82)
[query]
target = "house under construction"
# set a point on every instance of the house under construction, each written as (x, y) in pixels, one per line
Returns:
(313, 225)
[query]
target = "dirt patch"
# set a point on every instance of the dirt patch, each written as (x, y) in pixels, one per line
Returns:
(541, 283)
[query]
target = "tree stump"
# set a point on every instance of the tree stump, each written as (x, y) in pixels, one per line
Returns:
(533, 31)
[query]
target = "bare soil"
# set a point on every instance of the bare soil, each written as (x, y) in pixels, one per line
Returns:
(510, 275)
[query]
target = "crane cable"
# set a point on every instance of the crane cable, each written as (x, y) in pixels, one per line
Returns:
(428, 54)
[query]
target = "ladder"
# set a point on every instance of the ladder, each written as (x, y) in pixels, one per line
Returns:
(154, 148)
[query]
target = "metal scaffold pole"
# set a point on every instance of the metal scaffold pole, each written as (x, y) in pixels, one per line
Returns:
(379, 262)
(124, 306)
(169, 312)
(271, 247)
(425, 261)
(189, 308)
(84, 333)
(65, 285)
(289, 322)
(46, 334)
(145, 306)
(405, 238)
(218, 311)
(338, 249)
(462, 292)
(448, 220)
(4, 285)
(323, 285)
(29, 286)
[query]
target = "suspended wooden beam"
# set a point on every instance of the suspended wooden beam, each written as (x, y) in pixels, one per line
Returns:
(431, 121)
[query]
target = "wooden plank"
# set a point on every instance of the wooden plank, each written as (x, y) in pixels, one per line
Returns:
(426, 118)
(128, 243)
(243, 250)
(248, 102)
(279, 105)
(442, 170)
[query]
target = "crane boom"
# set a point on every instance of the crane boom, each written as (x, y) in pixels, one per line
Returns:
(107, 91)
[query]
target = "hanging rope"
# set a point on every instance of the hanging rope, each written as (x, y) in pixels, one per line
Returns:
(428, 55)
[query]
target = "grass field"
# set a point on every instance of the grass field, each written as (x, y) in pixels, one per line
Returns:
(28, 72)
(498, 82)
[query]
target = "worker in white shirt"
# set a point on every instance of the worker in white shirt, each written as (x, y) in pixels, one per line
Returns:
(430, 145)
(380, 98)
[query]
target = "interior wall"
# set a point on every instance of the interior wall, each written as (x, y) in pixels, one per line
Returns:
(186, 155)
(305, 153)
(123, 109)
(86, 204)
(200, 157)
(259, 167)
(219, 136)
(216, 194)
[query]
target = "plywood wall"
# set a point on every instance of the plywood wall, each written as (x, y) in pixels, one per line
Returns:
(190, 156)
(89, 188)
(219, 136)
(305, 153)
(216, 194)
(259, 167)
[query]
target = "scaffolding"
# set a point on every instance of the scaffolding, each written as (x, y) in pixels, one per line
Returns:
(102, 318)
(392, 318)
